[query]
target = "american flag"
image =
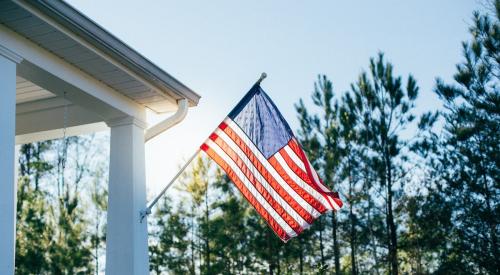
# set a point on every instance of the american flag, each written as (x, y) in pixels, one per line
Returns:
(255, 146)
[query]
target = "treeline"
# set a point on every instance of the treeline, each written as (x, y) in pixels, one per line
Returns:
(422, 194)
(61, 206)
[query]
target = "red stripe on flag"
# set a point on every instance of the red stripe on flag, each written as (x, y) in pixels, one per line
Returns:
(300, 191)
(265, 194)
(294, 145)
(223, 125)
(280, 232)
(335, 197)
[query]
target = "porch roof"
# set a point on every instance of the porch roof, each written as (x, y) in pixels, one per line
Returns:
(65, 32)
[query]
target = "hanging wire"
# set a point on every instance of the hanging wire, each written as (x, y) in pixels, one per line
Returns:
(64, 146)
(65, 124)
(65, 116)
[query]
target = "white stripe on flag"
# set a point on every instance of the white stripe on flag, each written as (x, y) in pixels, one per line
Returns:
(295, 158)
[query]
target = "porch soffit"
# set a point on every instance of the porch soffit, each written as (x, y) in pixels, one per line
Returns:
(31, 22)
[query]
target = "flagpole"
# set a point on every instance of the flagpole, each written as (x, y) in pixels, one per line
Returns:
(144, 213)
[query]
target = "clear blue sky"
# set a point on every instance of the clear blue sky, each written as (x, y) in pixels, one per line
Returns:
(219, 49)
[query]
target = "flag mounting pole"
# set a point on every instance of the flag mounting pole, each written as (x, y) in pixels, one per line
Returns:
(144, 213)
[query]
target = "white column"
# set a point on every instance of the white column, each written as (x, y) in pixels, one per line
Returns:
(7, 161)
(126, 237)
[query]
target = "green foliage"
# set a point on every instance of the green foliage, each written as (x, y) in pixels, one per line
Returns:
(170, 252)
(467, 157)
(319, 136)
(384, 104)
(69, 251)
(52, 234)
(34, 232)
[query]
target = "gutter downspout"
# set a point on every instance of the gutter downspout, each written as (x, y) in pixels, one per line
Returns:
(169, 122)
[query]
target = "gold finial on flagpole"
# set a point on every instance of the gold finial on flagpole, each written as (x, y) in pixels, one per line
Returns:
(262, 76)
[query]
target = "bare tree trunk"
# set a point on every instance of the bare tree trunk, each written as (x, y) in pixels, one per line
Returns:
(270, 253)
(301, 257)
(322, 254)
(97, 245)
(193, 260)
(393, 247)
(491, 223)
(96, 229)
(352, 221)
(207, 233)
(278, 268)
(372, 238)
(36, 154)
(336, 252)
(200, 255)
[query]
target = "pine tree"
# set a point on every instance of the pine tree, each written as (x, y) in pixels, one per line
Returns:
(327, 128)
(169, 252)
(99, 198)
(469, 157)
(52, 230)
(318, 136)
(230, 234)
(196, 183)
(384, 106)
(348, 151)
(32, 162)
(33, 231)
(70, 251)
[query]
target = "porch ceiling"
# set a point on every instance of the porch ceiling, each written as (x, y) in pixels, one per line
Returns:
(68, 34)
(27, 91)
